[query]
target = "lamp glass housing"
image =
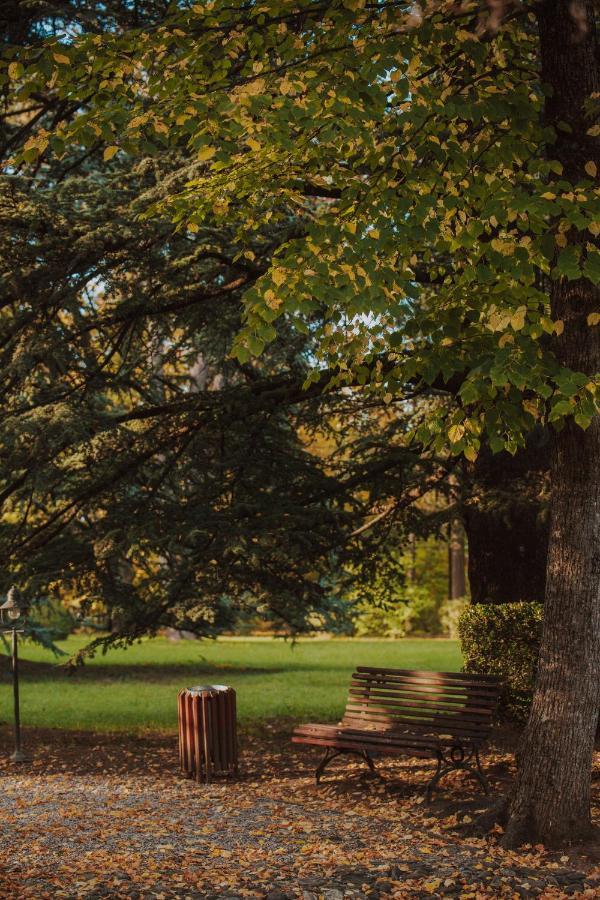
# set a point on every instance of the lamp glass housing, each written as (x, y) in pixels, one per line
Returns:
(14, 612)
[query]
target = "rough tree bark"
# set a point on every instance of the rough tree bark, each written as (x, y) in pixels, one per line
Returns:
(506, 517)
(551, 800)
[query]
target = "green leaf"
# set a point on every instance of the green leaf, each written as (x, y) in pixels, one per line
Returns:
(567, 263)
(591, 267)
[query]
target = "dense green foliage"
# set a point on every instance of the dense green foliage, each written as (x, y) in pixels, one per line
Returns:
(148, 478)
(374, 184)
(504, 640)
(410, 142)
(136, 689)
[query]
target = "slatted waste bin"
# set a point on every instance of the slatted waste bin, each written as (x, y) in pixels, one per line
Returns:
(207, 731)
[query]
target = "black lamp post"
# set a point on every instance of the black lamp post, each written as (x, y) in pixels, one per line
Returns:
(11, 611)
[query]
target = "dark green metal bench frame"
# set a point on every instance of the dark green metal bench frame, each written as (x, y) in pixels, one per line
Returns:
(445, 715)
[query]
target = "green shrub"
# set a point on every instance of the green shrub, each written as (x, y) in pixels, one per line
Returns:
(504, 639)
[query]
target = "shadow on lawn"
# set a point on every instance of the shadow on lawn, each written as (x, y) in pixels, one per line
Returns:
(153, 672)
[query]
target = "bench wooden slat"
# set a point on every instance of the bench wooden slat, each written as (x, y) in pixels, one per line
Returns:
(392, 702)
(366, 688)
(384, 723)
(486, 692)
(362, 740)
(377, 736)
(428, 677)
(396, 713)
(419, 727)
(348, 745)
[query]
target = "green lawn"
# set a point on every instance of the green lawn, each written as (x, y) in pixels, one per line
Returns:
(136, 689)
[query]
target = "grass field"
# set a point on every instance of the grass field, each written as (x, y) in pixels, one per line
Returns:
(136, 689)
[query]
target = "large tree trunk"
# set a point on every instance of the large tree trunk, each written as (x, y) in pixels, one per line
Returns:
(551, 801)
(506, 516)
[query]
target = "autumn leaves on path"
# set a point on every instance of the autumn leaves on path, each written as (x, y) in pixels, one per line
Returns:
(110, 816)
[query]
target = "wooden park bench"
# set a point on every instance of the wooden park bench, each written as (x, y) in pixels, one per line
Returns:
(446, 715)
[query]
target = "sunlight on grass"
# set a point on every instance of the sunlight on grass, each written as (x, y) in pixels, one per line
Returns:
(136, 689)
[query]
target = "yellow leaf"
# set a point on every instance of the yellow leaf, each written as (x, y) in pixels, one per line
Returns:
(593, 319)
(374, 233)
(109, 152)
(594, 228)
(561, 239)
(61, 58)
(591, 168)
(278, 276)
(518, 319)
(271, 300)
(559, 326)
(414, 64)
(206, 153)
(253, 144)
(547, 324)
(470, 453)
(506, 339)
(351, 226)
(548, 195)
(193, 227)
(455, 433)
(14, 70)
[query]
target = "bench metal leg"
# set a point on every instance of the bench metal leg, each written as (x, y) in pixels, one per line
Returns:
(330, 754)
(480, 774)
(369, 761)
(434, 781)
(456, 759)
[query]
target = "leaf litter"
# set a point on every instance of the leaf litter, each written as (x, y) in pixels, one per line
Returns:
(110, 816)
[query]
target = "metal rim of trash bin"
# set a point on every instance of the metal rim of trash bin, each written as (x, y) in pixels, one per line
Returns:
(207, 731)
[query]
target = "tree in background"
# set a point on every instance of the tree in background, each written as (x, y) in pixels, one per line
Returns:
(505, 503)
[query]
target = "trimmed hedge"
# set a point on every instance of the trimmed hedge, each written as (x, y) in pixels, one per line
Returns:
(504, 639)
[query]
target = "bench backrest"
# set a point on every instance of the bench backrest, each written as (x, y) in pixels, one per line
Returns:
(423, 702)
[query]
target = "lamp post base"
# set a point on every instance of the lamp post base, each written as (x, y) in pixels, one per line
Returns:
(20, 756)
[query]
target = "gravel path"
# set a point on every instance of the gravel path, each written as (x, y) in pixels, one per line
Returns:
(114, 819)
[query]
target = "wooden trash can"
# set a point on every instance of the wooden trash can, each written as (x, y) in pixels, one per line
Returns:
(207, 731)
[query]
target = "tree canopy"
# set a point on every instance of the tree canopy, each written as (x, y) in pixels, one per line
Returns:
(144, 469)
(411, 143)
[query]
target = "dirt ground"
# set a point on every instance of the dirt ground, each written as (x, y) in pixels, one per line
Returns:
(111, 816)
